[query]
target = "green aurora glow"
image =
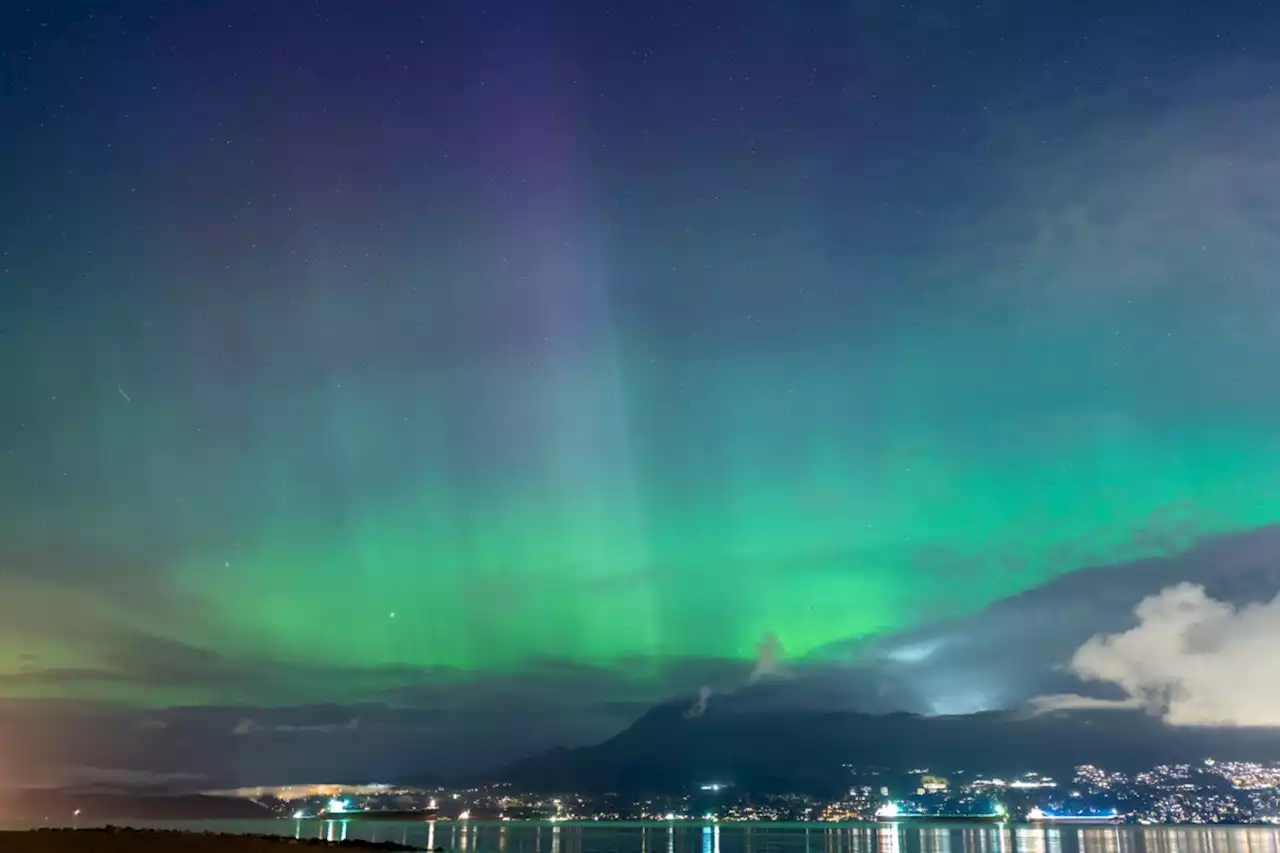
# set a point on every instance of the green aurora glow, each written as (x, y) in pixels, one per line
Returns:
(392, 392)
(779, 498)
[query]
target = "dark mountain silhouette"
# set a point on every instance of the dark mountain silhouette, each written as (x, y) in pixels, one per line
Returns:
(796, 733)
(665, 750)
(58, 806)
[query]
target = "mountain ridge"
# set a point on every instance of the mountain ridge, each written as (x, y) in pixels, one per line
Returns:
(667, 750)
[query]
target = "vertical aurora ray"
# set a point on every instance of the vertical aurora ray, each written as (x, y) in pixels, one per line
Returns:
(577, 435)
(556, 349)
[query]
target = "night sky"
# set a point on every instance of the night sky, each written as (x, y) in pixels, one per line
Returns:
(473, 373)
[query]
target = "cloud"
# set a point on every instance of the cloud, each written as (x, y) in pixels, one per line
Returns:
(323, 728)
(1137, 190)
(770, 659)
(127, 778)
(1193, 659)
(249, 726)
(699, 706)
(151, 724)
(1055, 702)
(467, 721)
(1019, 647)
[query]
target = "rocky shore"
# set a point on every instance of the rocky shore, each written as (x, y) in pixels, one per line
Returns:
(113, 839)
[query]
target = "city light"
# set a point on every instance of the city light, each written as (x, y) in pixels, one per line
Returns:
(1224, 791)
(889, 810)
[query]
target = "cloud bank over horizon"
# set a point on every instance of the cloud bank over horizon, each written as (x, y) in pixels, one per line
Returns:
(432, 714)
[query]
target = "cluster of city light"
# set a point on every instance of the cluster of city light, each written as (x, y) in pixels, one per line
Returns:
(1184, 793)
(1095, 777)
(987, 783)
(1247, 775)
(1028, 782)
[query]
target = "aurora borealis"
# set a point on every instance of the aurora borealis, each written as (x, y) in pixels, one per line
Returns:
(351, 356)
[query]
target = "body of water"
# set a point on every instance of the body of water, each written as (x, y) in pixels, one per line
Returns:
(513, 837)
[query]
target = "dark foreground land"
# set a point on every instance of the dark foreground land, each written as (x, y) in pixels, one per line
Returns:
(120, 840)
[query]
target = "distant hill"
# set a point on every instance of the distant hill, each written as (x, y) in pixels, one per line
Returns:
(803, 751)
(58, 806)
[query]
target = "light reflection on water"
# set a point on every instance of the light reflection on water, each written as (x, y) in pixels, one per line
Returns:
(513, 837)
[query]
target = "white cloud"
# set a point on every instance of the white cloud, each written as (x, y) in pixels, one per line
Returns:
(1074, 701)
(322, 728)
(770, 659)
(1194, 660)
(248, 727)
(253, 727)
(914, 652)
(699, 707)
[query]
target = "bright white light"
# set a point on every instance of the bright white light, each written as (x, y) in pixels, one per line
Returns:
(338, 807)
(915, 653)
(948, 703)
(465, 814)
(888, 810)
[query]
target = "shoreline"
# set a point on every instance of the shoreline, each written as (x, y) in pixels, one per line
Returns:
(114, 839)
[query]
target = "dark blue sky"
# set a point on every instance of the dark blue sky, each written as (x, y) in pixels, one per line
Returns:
(508, 341)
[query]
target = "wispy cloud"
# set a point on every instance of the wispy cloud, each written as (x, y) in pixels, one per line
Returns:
(67, 776)
(1055, 702)
(1132, 201)
(699, 706)
(770, 659)
(249, 726)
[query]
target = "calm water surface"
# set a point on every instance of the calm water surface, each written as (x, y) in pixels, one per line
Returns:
(764, 838)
